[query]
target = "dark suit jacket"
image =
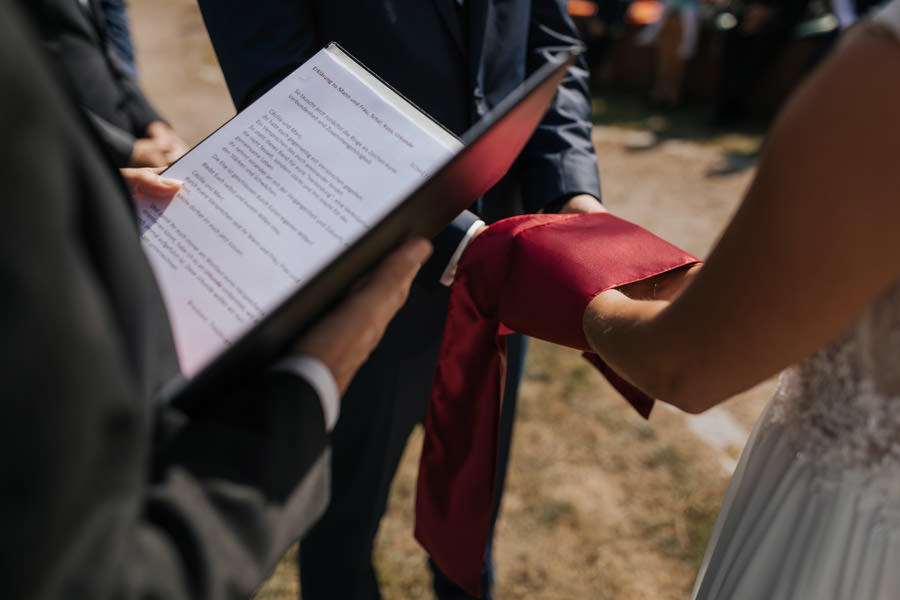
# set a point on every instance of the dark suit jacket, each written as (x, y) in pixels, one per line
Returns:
(454, 63)
(76, 38)
(105, 493)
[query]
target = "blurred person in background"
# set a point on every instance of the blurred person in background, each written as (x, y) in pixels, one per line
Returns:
(848, 12)
(74, 34)
(599, 22)
(116, 15)
(671, 58)
(748, 50)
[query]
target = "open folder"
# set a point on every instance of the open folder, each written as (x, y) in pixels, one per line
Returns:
(294, 199)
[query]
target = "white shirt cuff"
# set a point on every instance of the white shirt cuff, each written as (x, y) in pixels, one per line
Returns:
(450, 271)
(320, 378)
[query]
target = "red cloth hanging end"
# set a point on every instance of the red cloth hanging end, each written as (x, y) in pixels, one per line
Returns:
(533, 274)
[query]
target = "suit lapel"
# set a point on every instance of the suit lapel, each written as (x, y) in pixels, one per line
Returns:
(449, 12)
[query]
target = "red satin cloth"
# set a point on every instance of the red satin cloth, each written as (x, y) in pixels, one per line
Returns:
(533, 274)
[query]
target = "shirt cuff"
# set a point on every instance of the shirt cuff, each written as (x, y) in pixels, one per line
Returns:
(450, 271)
(317, 375)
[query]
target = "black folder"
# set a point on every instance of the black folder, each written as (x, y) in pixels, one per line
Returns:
(489, 149)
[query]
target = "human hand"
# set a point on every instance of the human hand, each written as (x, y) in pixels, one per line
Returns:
(172, 145)
(147, 181)
(580, 204)
(615, 312)
(158, 148)
(346, 336)
(147, 152)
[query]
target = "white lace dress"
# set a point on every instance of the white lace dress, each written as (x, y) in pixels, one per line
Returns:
(813, 509)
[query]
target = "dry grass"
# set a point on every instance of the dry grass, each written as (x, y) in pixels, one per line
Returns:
(599, 503)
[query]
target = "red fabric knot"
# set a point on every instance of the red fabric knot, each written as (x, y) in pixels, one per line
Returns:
(532, 274)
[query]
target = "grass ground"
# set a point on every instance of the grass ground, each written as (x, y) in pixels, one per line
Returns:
(599, 503)
(740, 145)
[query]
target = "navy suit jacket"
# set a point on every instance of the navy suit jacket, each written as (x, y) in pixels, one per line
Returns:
(455, 63)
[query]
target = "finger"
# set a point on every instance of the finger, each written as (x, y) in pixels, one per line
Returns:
(370, 307)
(390, 288)
(174, 154)
(147, 155)
(396, 272)
(149, 182)
(348, 334)
(158, 149)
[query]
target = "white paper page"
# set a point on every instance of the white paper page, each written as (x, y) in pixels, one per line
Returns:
(275, 195)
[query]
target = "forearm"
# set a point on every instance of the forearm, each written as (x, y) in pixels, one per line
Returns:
(226, 500)
(559, 160)
(229, 499)
(624, 332)
(797, 265)
(118, 141)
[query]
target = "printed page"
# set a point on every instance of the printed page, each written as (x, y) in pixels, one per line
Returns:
(276, 194)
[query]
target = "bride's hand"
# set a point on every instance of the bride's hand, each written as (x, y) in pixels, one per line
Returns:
(618, 311)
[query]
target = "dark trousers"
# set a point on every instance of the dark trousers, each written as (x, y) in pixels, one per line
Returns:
(387, 398)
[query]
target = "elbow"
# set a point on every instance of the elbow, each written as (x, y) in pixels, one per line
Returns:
(693, 405)
(684, 389)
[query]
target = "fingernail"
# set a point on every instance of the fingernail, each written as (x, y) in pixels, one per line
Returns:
(168, 182)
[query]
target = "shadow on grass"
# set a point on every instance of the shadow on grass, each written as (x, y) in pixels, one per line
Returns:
(739, 143)
(733, 162)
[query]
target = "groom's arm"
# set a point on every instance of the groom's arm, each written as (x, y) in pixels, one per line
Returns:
(559, 164)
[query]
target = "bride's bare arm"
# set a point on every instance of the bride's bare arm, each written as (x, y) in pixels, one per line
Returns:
(816, 240)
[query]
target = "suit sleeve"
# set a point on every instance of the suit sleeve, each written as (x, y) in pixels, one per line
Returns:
(259, 43)
(114, 498)
(119, 141)
(445, 244)
(559, 160)
(108, 495)
(140, 111)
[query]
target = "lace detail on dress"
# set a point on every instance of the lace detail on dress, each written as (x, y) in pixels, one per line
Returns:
(842, 405)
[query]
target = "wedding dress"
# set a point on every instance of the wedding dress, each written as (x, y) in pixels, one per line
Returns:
(813, 509)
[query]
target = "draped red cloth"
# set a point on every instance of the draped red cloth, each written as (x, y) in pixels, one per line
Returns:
(533, 274)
